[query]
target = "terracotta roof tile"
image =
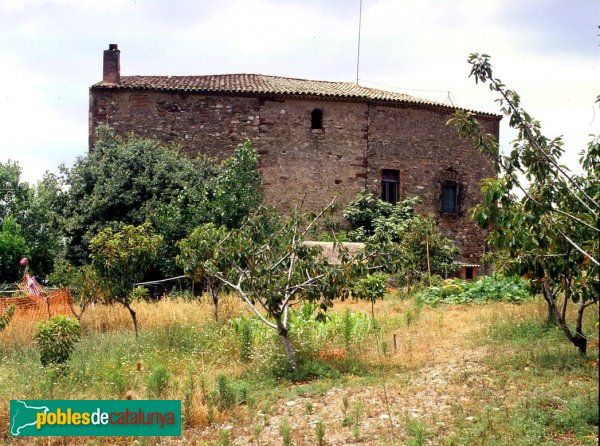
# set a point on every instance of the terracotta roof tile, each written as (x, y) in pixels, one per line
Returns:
(258, 84)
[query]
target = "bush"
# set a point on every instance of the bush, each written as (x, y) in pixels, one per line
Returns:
(158, 380)
(56, 339)
(488, 288)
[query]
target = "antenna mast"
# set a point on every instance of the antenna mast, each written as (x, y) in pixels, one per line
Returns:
(358, 50)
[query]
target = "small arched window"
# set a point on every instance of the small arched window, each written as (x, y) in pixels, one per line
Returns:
(316, 119)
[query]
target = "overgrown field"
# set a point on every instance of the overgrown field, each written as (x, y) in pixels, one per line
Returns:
(463, 374)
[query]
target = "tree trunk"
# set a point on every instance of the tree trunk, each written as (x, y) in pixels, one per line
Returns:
(289, 348)
(577, 339)
(551, 317)
(215, 299)
(214, 292)
(580, 340)
(133, 318)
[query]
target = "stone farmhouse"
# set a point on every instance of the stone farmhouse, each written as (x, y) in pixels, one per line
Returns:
(315, 138)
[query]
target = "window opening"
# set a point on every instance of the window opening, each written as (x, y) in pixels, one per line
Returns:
(316, 119)
(450, 198)
(390, 180)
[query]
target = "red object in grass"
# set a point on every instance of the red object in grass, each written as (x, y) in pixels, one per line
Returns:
(24, 261)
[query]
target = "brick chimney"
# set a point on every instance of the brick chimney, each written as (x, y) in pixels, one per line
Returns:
(111, 73)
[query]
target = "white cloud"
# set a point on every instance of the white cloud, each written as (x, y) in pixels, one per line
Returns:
(51, 51)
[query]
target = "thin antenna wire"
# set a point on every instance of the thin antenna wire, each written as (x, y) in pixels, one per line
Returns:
(358, 51)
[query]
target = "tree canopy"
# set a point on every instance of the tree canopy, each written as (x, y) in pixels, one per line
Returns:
(543, 220)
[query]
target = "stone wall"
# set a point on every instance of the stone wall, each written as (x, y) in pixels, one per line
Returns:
(211, 125)
(357, 140)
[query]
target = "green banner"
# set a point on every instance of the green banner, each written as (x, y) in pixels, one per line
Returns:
(95, 418)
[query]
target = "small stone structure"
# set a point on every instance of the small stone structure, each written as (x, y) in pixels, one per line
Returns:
(315, 138)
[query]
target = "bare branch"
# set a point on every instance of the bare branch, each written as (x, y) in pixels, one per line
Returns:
(238, 288)
(535, 144)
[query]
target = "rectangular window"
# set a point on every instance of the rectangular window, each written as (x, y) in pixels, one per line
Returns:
(450, 202)
(390, 180)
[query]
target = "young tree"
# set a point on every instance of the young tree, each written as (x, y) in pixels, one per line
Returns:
(202, 258)
(545, 228)
(273, 269)
(122, 258)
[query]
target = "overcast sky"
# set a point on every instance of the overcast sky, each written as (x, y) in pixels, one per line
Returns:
(51, 52)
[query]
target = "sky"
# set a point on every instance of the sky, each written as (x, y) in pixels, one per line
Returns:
(51, 53)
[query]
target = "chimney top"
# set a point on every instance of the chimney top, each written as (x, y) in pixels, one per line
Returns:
(111, 70)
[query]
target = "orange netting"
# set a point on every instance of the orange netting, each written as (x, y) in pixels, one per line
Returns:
(33, 307)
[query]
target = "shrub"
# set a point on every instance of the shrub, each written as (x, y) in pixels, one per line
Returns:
(56, 339)
(158, 380)
(489, 288)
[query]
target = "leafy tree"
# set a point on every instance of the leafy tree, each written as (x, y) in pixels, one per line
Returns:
(34, 210)
(201, 257)
(273, 269)
(546, 228)
(13, 192)
(122, 258)
(371, 288)
(398, 240)
(84, 283)
(13, 247)
(127, 181)
(41, 224)
(236, 188)
(368, 214)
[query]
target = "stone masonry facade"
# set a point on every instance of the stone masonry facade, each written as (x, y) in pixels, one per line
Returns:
(357, 137)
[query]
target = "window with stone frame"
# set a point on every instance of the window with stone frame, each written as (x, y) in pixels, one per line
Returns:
(450, 198)
(452, 192)
(390, 185)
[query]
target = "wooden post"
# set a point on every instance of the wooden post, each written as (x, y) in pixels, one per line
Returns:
(428, 261)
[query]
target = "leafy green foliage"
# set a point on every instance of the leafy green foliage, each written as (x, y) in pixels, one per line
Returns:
(368, 214)
(122, 258)
(13, 247)
(271, 268)
(14, 193)
(236, 188)
(371, 288)
(546, 230)
(83, 282)
(34, 210)
(41, 224)
(127, 181)
(157, 381)
(6, 317)
(56, 339)
(201, 257)
(243, 328)
(397, 239)
(485, 289)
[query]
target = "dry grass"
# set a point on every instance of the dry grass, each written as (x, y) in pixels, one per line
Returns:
(437, 373)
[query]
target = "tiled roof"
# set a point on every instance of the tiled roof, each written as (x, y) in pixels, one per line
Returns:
(259, 84)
